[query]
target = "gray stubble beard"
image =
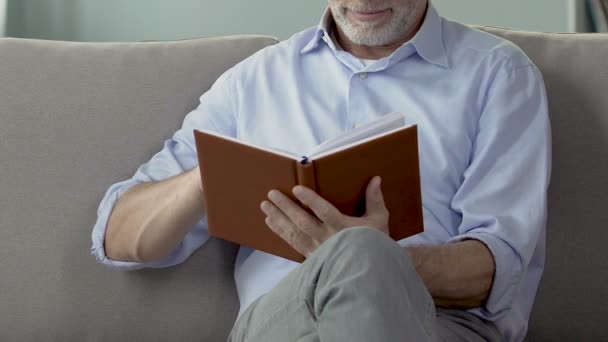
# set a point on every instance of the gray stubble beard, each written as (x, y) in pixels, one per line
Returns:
(367, 34)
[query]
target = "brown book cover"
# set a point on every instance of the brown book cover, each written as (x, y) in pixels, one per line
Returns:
(237, 177)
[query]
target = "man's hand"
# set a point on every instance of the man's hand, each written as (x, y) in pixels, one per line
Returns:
(458, 275)
(305, 232)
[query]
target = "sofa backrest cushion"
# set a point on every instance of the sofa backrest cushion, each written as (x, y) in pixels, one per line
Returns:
(75, 118)
(572, 304)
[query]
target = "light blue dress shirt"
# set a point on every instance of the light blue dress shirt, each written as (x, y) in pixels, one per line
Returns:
(484, 139)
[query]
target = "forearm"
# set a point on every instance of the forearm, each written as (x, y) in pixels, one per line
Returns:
(457, 274)
(151, 219)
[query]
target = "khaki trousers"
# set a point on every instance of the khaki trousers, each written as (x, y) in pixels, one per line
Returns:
(358, 286)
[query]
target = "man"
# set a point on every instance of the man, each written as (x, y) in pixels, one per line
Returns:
(484, 140)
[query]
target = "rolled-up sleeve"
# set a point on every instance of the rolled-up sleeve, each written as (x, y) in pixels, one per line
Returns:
(216, 112)
(503, 197)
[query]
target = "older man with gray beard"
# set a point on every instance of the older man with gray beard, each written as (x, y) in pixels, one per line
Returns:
(484, 140)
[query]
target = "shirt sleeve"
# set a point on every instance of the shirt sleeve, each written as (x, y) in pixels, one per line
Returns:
(216, 112)
(503, 198)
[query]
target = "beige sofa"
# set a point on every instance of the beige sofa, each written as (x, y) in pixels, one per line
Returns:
(77, 117)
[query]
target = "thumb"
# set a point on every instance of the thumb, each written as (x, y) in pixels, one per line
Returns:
(374, 201)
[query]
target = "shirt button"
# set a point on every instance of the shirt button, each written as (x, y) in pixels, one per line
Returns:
(363, 75)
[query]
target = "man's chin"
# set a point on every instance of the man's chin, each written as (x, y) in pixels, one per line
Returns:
(369, 38)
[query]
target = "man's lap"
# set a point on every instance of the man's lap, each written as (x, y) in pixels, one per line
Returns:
(349, 291)
(294, 319)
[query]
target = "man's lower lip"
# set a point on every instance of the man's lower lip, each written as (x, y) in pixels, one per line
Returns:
(369, 16)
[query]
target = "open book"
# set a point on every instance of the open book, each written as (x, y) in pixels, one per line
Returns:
(237, 177)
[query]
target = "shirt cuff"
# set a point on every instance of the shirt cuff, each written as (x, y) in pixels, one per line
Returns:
(507, 276)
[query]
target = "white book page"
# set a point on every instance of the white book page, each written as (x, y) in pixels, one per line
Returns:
(389, 122)
(358, 142)
(384, 125)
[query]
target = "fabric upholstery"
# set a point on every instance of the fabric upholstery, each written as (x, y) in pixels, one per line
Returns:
(572, 304)
(75, 118)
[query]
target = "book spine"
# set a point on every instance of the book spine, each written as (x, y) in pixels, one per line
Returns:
(305, 170)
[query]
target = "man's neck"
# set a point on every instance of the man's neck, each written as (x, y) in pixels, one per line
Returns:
(375, 52)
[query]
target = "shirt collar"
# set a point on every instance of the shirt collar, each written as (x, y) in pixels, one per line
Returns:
(322, 33)
(428, 42)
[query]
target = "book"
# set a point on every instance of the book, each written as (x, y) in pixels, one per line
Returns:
(236, 178)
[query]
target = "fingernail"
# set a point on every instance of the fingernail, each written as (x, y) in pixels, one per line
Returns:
(273, 194)
(264, 205)
(297, 190)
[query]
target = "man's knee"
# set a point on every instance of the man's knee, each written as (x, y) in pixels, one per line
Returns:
(360, 237)
(361, 243)
(375, 269)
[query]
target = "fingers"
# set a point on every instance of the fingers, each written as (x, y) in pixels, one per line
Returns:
(281, 225)
(374, 201)
(324, 210)
(300, 217)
